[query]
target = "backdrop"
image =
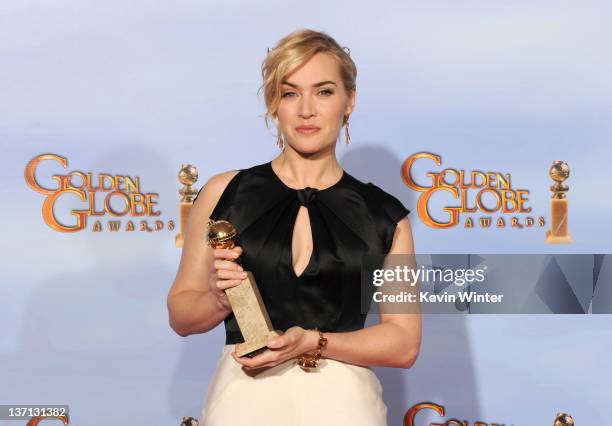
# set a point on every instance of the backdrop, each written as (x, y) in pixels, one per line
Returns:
(138, 88)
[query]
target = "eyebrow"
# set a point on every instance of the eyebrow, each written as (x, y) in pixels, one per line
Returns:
(321, 83)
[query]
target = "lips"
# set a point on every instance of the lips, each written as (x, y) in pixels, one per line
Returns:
(307, 130)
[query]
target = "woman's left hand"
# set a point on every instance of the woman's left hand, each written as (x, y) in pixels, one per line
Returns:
(293, 343)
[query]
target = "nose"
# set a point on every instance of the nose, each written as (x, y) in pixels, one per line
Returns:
(306, 107)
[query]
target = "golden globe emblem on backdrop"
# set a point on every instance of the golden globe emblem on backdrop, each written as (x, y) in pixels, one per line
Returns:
(559, 233)
(188, 175)
(189, 421)
(245, 299)
(563, 419)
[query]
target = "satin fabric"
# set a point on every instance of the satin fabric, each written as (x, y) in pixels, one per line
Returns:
(348, 220)
(336, 394)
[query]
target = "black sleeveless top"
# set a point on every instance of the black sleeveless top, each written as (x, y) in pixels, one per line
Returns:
(347, 220)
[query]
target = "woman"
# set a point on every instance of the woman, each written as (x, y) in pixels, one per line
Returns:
(304, 225)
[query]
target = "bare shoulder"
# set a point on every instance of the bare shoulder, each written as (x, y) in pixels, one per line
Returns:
(404, 224)
(402, 239)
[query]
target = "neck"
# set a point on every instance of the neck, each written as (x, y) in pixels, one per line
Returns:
(319, 170)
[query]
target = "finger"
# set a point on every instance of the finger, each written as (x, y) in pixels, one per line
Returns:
(266, 365)
(267, 358)
(270, 364)
(276, 342)
(239, 360)
(224, 274)
(288, 338)
(258, 361)
(226, 265)
(222, 253)
(223, 285)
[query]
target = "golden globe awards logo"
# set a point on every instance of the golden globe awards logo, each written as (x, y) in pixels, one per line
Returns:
(474, 192)
(121, 198)
(409, 417)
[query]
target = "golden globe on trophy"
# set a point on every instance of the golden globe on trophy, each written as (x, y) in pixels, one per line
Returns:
(245, 299)
(188, 175)
(559, 233)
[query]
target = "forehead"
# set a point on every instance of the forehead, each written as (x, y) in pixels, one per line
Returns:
(320, 67)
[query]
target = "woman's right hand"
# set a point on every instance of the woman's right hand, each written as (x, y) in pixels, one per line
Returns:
(225, 273)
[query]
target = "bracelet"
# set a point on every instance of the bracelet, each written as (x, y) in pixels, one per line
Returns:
(309, 361)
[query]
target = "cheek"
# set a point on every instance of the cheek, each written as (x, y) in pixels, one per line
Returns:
(284, 110)
(333, 112)
(282, 117)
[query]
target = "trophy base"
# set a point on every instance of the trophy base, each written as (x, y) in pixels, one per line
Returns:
(558, 239)
(253, 347)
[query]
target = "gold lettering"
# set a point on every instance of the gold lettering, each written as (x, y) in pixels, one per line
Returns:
(132, 185)
(412, 412)
(110, 210)
(51, 220)
(34, 421)
(152, 201)
(480, 203)
(515, 222)
(424, 213)
(114, 225)
(407, 167)
(30, 172)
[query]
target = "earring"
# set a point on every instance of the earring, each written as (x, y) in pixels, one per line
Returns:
(280, 142)
(347, 138)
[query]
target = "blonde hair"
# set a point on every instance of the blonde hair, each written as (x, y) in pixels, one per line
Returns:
(293, 51)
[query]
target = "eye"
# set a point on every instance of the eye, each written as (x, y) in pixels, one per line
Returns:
(288, 93)
(327, 92)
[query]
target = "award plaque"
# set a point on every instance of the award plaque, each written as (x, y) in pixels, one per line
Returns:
(188, 175)
(245, 299)
(559, 233)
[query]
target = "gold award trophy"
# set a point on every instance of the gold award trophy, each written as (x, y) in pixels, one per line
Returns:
(188, 175)
(559, 234)
(245, 299)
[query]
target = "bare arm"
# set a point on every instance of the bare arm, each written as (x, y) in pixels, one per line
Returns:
(192, 306)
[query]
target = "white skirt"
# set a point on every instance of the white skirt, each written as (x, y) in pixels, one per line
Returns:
(336, 393)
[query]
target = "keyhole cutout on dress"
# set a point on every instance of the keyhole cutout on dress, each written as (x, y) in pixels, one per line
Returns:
(301, 243)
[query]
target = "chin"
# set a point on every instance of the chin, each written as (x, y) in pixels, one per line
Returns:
(308, 148)
(305, 146)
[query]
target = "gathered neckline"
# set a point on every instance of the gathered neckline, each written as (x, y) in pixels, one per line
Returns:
(279, 180)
